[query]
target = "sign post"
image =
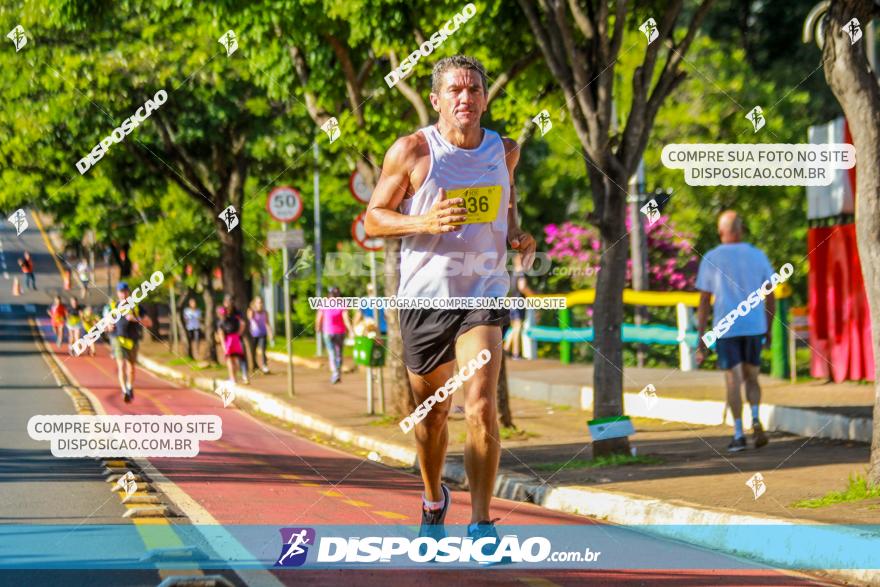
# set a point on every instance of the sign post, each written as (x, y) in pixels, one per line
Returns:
(285, 205)
(371, 245)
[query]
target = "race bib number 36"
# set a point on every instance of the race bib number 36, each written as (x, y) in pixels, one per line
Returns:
(481, 203)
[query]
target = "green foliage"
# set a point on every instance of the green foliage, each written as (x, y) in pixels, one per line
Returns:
(857, 490)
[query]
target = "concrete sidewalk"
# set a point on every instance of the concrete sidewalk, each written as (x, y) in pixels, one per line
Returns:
(691, 479)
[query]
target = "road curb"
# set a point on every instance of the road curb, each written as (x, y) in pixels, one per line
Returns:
(658, 516)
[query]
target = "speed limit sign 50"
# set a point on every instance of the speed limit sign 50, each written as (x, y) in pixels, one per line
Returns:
(285, 204)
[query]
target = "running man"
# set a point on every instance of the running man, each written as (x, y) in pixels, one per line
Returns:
(410, 202)
(124, 338)
(27, 268)
(730, 272)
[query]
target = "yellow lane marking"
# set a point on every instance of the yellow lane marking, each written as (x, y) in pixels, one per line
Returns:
(310, 484)
(537, 582)
(356, 503)
(391, 515)
(331, 493)
(290, 476)
(49, 245)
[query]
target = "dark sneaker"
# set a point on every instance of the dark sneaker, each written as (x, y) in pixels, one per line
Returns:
(487, 530)
(126, 396)
(432, 520)
(737, 444)
(758, 434)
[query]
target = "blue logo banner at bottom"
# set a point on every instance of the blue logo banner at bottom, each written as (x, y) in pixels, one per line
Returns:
(293, 547)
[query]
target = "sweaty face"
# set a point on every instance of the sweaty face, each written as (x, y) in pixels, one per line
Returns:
(461, 101)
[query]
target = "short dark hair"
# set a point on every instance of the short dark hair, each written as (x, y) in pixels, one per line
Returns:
(456, 62)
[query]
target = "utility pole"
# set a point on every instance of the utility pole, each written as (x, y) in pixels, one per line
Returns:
(318, 257)
(638, 248)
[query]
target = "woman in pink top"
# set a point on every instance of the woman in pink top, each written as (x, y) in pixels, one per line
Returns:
(333, 323)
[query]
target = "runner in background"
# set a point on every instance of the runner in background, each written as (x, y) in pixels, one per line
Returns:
(333, 323)
(258, 322)
(192, 321)
(231, 329)
(27, 267)
(89, 319)
(125, 337)
(519, 288)
(58, 313)
(74, 324)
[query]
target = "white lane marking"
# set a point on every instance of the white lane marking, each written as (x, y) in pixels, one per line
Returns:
(5, 308)
(5, 275)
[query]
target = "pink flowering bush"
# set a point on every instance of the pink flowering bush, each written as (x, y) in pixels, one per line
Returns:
(576, 252)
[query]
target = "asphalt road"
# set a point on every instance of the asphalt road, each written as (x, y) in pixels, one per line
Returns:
(256, 474)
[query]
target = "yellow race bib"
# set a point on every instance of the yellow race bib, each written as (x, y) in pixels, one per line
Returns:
(481, 203)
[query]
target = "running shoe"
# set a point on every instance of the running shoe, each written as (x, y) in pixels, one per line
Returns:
(758, 434)
(432, 520)
(487, 530)
(737, 444)
(126, 395)
(265, 369)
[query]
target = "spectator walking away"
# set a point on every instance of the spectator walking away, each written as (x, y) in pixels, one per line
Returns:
(89, 319)
(192, 321)
(82, 272)
(58, 313)
(230, 330)
(125, 336)
(74, 323)
(333, 323)
(27, 267)
(731, 272)
(258, 322)
(519, 288)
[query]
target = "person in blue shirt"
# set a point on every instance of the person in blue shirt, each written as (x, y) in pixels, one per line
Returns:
(733, 272)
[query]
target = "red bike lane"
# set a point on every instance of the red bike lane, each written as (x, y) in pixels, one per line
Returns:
(258, 474)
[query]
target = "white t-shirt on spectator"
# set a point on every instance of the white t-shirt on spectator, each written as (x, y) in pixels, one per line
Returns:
(730, 272)
(192, 318)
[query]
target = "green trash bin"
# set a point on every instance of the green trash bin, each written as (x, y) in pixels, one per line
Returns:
(368, 352)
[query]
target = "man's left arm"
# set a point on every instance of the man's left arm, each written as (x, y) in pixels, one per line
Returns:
(518, 239)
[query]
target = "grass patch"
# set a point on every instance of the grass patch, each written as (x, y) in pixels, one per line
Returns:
(856, 490)
(384, 420)
(605, 461)
(189, 363)
(515, 434)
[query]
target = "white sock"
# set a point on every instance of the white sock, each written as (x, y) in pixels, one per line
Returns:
(433, 505)
(738, 428)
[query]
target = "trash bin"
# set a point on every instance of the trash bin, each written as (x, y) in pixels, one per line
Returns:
(369, 352)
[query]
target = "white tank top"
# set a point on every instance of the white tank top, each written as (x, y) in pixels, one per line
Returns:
(441, 265)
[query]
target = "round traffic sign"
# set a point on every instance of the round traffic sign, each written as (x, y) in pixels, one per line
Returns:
(284, 204)
(359, 234)
(359, 187)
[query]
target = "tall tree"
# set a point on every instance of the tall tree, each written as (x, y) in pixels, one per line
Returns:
(581, 41)
(855, 84)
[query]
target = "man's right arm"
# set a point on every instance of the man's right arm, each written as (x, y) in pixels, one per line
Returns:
(384, 221)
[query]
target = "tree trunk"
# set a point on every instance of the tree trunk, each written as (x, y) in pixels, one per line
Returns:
(232, 265)
(608, 317)
(504, 414)
(208, 297)
(856, 87)
(402, 402)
